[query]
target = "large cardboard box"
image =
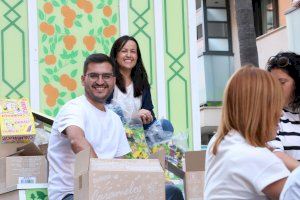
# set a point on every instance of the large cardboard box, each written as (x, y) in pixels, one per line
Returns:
(194, 175)
(21, 164)
(26, 192)
(115, 179)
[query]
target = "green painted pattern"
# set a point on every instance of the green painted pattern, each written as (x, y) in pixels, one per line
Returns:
(141, 26)
(69, 31)
(14, 70)
(177, 66)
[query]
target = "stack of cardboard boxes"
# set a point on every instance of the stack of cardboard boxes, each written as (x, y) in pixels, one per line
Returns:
(23, 167)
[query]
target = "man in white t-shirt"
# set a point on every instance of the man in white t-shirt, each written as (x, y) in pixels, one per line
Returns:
(82, 123)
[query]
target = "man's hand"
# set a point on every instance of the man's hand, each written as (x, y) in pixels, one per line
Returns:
(145, 116)
(78, 141)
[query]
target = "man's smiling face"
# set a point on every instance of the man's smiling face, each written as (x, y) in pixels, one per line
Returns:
(98, 82)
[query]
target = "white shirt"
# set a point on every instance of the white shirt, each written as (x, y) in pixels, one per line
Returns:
(103, 130)
(129, 104)
(240, 170)
(288, 135)
(291, 189)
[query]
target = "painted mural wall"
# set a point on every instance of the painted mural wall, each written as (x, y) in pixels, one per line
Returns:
(70, 30)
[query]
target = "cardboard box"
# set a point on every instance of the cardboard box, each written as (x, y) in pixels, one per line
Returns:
(194, 175)
(16, 121)
(21, 164)
(116, 179)
(26, 192)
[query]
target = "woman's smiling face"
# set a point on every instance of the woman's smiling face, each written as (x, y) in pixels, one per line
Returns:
(127, 56)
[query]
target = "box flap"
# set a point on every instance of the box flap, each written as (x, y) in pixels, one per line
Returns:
(29, 150)
(8, 149)
(134, 165)
(195, 160)
(161, 156)
(82, 162)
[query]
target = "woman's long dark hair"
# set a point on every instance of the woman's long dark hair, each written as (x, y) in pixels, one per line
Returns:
(293, 70)
(138, 73)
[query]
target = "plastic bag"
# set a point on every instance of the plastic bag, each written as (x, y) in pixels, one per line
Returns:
(156, 135)
(134, 131)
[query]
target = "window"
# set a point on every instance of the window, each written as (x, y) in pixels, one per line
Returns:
(217, 26)
(199, 31)
(265, 13)
(198, 4)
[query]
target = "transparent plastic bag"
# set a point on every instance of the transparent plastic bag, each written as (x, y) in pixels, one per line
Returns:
(156, 135)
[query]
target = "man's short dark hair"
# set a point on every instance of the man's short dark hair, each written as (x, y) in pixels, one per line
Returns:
(97, 58)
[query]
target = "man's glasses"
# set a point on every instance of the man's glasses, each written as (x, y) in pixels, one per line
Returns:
(95, 76)
(281, 61)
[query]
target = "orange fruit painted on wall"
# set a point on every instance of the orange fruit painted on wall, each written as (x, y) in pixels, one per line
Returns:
(69, 41)
(50, 59)
(47, 28)
(80, 3)
(109, 31)
(68, 82)
(72, 85)
(89, 42)
(67, 12)
(86, 5)
(48, 8)
(107, 11)
(51, 93)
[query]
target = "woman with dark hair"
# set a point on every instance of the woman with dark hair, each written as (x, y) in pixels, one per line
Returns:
(132, 90)
(285, 66)
(131, 80)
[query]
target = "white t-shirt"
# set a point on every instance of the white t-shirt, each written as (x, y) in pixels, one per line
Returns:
(288, 135)
(103, 130)
(291, 189)
(129, 104)
(239, 170)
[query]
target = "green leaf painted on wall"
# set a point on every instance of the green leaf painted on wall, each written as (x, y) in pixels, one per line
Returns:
(46, 79)
(100, 5)
(45, 50)
(51, 19)
(55, 3)
(55, 111)
(44, 37)
(105, 21)
(114, 18)
(41, 15)
(99, 31)
(73, 73)
(73, 61)
(109, 2)
(59, 64)
(52, 47)
(79, 16)
(49, 71)
(56, 78)
(48, 112)
(74, 53)
(67, 31)
(62, 94)
(73, 95)
(60, 101)
(77, 23)
(91, 32)
(64, 2)
(74, 1)
(57, 28)
(90, 18)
